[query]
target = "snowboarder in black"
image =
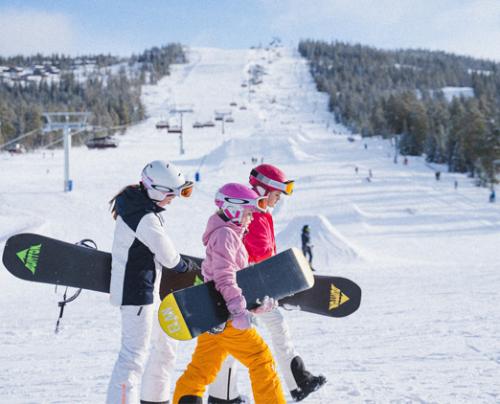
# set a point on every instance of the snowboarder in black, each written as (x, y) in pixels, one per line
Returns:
(306, 243)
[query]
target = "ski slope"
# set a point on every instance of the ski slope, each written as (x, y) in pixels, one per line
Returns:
(425, 254)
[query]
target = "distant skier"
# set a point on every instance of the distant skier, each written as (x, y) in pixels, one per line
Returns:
(306, 243)
(492, 196)
(141, 247)
(438, 175)
(225, 255)
(268, 180)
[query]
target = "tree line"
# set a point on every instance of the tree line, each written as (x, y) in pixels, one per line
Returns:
(111, 94)
(399, 93)
(155, 62)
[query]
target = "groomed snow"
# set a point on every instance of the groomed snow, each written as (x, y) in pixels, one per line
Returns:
(426, 255)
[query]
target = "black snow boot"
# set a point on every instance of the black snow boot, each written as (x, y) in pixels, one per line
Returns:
(306, 382)
(155, 402)
(191, 400)
(237, 400)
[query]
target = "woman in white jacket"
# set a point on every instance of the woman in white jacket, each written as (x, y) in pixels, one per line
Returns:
(141, 246)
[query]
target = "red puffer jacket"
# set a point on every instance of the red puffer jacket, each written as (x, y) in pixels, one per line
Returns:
(259, 240)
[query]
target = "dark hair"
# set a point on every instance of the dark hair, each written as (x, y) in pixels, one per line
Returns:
(112, 202)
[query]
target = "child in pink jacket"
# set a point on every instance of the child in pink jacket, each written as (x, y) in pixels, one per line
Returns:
(226, 254)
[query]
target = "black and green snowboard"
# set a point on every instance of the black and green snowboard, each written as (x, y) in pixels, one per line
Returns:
(37, 258)
(43, 259)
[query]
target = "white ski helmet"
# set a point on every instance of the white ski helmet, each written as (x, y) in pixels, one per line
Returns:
(162, 178)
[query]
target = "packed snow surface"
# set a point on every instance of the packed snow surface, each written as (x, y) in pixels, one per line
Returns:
(425, 254)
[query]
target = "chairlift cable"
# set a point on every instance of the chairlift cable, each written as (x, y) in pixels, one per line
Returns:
(19, 138)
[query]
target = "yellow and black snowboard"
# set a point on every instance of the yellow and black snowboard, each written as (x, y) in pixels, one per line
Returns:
(187, 313)
(331, 296)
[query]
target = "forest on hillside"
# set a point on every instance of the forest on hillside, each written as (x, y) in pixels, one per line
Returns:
(109, 89)
(403, 94)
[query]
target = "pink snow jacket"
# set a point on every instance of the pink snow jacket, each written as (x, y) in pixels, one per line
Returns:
(225, 254)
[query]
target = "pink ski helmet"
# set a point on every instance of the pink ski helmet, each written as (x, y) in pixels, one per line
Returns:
(234, 198)
(266, 178)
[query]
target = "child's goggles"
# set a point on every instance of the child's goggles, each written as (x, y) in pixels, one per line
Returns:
(259, 204)
(285, 187)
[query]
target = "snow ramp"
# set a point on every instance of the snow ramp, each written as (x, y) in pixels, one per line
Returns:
(283, 149)
(330, 246)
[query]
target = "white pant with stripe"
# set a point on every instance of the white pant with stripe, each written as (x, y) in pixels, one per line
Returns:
(146, 359)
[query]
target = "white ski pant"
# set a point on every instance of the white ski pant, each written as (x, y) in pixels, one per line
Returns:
(135, 375)
(225, 385)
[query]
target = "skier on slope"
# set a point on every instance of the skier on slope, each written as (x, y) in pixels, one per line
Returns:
(225, 255)
(306, 243)
(268, 180)
(141, 247)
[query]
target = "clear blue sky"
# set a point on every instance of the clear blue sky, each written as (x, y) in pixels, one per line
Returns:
(125, 26)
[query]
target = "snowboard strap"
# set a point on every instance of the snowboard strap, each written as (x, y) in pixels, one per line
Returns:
(86, 242)
(62, 303)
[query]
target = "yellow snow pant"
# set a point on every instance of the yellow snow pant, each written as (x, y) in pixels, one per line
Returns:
(248, 347)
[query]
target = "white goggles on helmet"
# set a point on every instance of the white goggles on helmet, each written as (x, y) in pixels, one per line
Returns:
(259, 204)
(184, 190)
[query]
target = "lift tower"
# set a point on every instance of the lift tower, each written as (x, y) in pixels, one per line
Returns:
(67, 122)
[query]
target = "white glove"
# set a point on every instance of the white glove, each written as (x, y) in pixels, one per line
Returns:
(267, 304)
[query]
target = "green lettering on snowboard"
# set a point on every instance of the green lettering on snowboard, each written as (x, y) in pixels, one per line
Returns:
(197, 281)
(29, 257)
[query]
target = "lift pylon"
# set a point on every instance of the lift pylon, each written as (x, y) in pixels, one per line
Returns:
(67, 122)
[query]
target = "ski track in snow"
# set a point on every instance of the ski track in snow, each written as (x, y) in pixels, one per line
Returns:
(425, 254)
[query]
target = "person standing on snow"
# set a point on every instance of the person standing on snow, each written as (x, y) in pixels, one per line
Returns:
(268, 180)
(225, 255)
(141, 247)
(306, 243)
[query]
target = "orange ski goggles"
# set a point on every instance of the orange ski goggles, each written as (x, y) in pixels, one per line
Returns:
(285, 187)
(184, 190)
